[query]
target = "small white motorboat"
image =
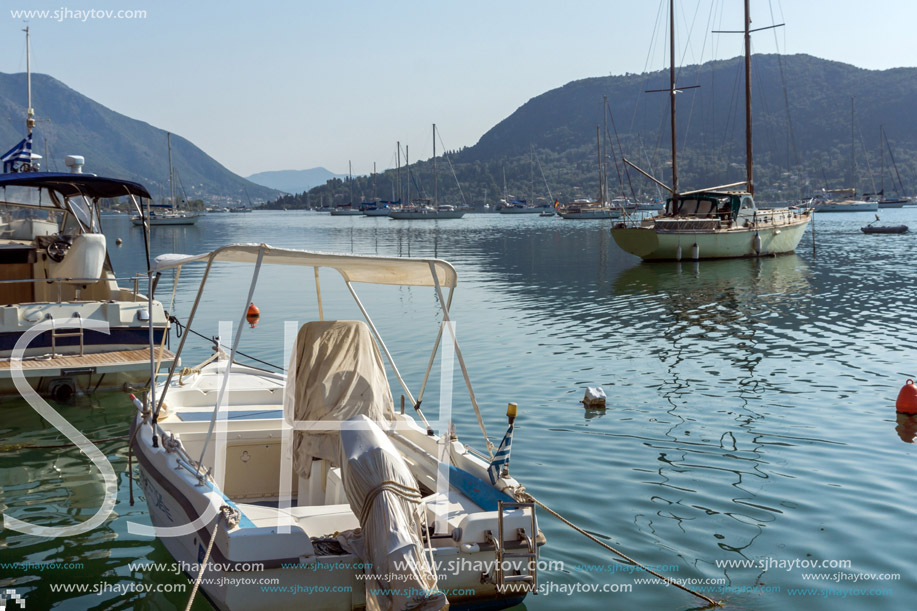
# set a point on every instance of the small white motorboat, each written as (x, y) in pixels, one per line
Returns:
(313, 482)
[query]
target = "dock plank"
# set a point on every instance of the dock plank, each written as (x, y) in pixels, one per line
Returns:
(102, 359)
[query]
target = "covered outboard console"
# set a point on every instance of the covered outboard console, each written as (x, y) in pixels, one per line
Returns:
(383, 493)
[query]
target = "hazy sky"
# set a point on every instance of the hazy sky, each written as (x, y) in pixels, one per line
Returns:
(295, 84)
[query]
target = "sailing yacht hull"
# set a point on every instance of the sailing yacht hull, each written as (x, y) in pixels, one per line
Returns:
(847, 207)
(590, 215)
(651, 245)
(168, 220)
(405, 215)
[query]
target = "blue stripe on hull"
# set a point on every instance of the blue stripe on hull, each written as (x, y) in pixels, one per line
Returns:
(129, 336)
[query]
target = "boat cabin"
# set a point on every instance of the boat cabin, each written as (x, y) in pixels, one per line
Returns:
(51, 243)
(726, 206)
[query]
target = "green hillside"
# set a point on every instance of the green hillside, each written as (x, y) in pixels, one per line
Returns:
(113, 144)
(802, 126)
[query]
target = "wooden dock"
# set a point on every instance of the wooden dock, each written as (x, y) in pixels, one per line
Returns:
(95, 363)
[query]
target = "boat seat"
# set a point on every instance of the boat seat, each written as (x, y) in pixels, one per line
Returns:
(315, 520)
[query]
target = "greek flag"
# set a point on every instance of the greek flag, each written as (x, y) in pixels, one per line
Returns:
(20, 152)
(501, 458)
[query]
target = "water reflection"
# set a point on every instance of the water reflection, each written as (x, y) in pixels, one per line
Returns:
(906, 427)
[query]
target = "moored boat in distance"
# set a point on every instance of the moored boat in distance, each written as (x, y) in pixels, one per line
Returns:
(842, 200)
(716, 223)
(584, 209)
(345, 210)
(166, 214)
(423, 209)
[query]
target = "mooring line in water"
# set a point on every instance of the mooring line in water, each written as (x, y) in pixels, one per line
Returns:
(532, 499)
(15, 446)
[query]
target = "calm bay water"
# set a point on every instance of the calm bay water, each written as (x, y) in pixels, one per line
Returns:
(750, 404)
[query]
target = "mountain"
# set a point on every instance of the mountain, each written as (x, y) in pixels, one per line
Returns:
(802, 135)
(113, 144)
(294, 181)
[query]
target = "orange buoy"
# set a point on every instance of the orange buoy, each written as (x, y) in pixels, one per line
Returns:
(907, 399)
(254, 314)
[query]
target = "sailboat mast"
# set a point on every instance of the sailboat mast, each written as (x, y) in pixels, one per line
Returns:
(435, 190)
(30, 112)
(882, 153)
(375, 196)
(399, 169)
(350, 179)
(407, 164)
(171, 187)
(749, 171)
(504, 184)
(853, 154)
(604, 148)
(598, 153)
(672, 98)
(532, 175)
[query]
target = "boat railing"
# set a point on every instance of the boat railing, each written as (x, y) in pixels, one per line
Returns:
(134, 280)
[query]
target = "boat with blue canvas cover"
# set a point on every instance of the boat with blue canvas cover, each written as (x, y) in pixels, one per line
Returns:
(315, 475)
(76, 329)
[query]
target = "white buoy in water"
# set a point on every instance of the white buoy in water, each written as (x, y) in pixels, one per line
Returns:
(695, 252)
(595, 398)
(756, 244)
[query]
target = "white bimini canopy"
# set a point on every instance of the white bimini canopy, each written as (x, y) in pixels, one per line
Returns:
(354, 268)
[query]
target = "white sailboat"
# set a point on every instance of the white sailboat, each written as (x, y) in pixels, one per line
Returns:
(316, 478)
(712, 223)
(427, 209)
(167, 214)
(599, 209)
(347, 209)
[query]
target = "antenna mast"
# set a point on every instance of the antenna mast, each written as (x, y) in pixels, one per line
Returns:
(30, 112)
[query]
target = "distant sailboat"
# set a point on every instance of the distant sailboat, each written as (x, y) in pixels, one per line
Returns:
(427, 209)
(169, 214)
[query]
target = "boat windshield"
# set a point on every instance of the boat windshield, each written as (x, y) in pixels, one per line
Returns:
(706, 206)
(26, 222)
(39, 203)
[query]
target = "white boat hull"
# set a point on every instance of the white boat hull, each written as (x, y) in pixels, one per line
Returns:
(108, 361)
(590, 215)
(405, 215)
(847, 207)
(168, 220)
(332, 580)
(652, 245)
(520, 210)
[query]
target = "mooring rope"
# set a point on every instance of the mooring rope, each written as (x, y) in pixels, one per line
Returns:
(528, 497)
(231, 517)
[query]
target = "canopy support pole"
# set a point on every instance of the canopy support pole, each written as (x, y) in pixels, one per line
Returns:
(232, 359)
(458, 355)
(318, 294)
(439, 337)
(184, 337)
